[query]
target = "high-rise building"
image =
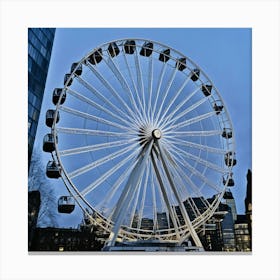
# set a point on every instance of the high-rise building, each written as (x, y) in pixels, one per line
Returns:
(228, 230)
(230, 201)
(40, 43)
(248, 204)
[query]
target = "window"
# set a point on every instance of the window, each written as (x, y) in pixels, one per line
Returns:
(43, 51)
(30, 61)
(35, 114)
(29, 124)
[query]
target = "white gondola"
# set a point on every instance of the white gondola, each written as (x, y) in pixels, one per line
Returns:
(66, 204)
(56, 95)
(113, 49)
(52, 170)
(230, 159)
(129, 46)
(50, 117)
(66, 78)
(96, 57)
(195, 74)
(218, 107)
(164, 55)
(206, 89)
(181, 63)
(48, 143)
(227, 133)
(77, 69)
(147, 49)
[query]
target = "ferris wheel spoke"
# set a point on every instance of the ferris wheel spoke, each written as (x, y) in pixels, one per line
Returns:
(197, 146)
(192, 121)
(111, 89)
(165, 196)
(194, 207)
(180, 174)
(92, 117)
(73, 130)
(140, 83)
(101, 97)
(99, 107)
(202, 161)
(134, 86)
(177, 108)
(110, 194)
(194, 188)
(158, 90)
(115, 69)
(180, 203)
(150, 86)
(188, 110)
(169, 84)
(204, 133)
(109, 173)
(101, 161)
(92, 148)
(171, 102)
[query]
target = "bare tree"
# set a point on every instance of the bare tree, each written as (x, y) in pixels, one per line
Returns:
(37, 181)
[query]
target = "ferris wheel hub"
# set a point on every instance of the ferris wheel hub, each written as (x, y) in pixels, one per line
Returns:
(156, 134)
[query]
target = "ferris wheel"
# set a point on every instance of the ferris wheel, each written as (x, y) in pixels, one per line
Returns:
(142, 140)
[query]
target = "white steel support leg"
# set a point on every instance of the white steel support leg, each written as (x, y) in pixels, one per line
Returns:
(129, 192)
(165, 197)
(181, 205)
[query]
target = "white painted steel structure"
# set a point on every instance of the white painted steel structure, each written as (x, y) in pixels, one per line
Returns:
(141, 141)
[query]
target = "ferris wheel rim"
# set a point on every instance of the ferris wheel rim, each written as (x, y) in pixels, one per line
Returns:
(54, 130)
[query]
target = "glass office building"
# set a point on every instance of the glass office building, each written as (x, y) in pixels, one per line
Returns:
(40, 42)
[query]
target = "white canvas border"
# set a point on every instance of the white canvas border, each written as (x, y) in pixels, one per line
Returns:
(261, 16)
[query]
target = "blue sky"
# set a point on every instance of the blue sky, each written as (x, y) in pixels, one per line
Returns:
(224, 54)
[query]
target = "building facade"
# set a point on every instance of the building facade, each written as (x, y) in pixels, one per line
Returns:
(65, 239)
(34, 202)
(248, 204)
(40, 43)
(242, 234)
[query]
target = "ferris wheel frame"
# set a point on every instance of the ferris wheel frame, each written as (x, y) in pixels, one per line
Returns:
(123, 232)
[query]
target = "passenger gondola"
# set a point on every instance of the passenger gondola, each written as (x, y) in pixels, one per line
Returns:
(195, 74)
(218, 108)
(227, 133)
(113, 49)
(147, 49)
(78, 70)
(129, 46)
(52, 170)
(67, 80)
(206, 89)
(50, 117)
(56, 95)
(181, 63)
(48, 143)
(230, 159)
(164, 56)
(66, 204)
(95, 57)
